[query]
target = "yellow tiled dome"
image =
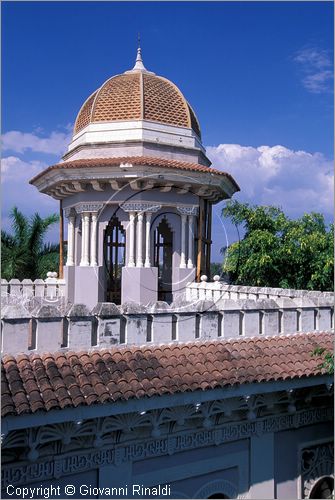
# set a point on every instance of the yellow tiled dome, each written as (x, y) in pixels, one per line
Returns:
(137, 95)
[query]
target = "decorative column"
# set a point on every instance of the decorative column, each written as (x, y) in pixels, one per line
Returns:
(190, 242)
(70, 214)
(147, 239)
(94, 239)
(139, 240)
(131, 227)
(187, 212)
(183, 242)
(85, 210)
(139, 208)
(85, 239)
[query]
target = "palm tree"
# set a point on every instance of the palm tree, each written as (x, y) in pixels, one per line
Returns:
(23, 253)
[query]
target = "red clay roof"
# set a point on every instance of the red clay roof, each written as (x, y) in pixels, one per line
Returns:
(135, 160)
(58, 380)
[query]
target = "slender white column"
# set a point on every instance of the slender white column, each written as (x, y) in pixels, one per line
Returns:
(183, 242)
(139, 240)
(94, 239)
(147, 240)
(131, 228)
(83, 230)
(190, 242)
(70, 241)
(85, 238)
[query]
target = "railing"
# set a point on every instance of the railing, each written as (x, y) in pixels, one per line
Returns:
(50, 288)
(218, 290)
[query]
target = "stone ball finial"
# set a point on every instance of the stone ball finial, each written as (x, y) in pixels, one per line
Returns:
(216, 278)
(203, 277)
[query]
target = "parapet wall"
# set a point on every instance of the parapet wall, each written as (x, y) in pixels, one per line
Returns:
(49, 328)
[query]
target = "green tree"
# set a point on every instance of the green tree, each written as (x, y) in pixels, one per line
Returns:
(280, 252)
(24, 253)
(327, 359)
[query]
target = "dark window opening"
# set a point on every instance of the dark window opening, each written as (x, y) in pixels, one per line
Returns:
(114, 258)
(163, 260)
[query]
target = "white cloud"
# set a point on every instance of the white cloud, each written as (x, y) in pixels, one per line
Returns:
(297, 181)
(316, 66)
(17, 170)
(19, 142)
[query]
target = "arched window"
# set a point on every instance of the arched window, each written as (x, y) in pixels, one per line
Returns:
(114, 258)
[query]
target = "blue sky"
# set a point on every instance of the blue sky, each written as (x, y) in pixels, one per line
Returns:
(259, 76)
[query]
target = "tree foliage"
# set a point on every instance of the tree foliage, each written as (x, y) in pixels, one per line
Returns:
(24, 253)
(280, 252)
(328, 359)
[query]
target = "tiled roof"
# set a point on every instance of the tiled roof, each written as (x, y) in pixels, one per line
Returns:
(136, 160)
(137, 96)
(58, 380)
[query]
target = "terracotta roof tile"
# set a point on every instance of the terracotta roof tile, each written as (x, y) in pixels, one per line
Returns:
(34, 383)
(149, 161)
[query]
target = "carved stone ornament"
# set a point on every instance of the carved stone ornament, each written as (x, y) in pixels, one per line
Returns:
(140, 207)
(193, 210)
(88, 207)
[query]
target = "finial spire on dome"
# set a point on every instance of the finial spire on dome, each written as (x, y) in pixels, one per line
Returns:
(139, 66)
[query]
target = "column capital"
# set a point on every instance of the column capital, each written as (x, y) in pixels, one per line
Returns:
(70, 212)
(190, 210)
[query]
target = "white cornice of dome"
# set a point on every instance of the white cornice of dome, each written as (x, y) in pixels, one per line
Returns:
(136, 130)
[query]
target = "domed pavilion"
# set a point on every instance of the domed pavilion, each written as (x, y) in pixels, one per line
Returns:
(137, 189)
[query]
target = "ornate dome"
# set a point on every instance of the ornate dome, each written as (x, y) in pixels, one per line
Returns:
(137, 94)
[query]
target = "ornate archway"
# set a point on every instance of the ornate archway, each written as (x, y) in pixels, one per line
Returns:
(114, 258)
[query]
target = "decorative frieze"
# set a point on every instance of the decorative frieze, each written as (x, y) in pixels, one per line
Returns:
(88, 207)
(192, 210)
(140, 207)
(168, 444)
